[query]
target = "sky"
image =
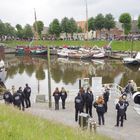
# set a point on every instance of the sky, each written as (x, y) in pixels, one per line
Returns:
(22, 11)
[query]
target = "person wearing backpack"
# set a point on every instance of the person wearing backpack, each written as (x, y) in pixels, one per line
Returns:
(27, 94)
(121, 108)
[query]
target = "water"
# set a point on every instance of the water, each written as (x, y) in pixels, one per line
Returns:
(64, 73)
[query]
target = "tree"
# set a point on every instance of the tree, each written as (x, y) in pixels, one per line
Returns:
(38, 27)
(109, 22)
(73, 26)
(19, 31)
(9, 30)
(2, 28)
(138, 22)
(79, 30)
(28, 33)
(54, 28)
(125, 19)
(65, 26)
(99, 23)
(91, 24)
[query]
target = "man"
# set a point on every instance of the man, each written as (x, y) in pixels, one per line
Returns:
(27, 94)
(106, 98)
(8, 98)
(18, 99)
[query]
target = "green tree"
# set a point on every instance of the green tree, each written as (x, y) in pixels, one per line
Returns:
(73, 26)
(79, 30)
(54, 28)
(65, 26)
(2, 28)
(99, 22)
(125, 19)
(9, 30)
(138, 22)
(19, 31)
(91, 24)
(28, 33)
(109, 22)
(38, 26)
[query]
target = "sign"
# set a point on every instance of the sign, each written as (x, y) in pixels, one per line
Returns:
(97, 85)
(85, 83)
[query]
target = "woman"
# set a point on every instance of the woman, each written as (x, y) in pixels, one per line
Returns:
(100, 108)
(56, 95)
(63, 95)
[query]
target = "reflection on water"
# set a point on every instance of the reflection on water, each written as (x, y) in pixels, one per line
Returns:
(64, 72)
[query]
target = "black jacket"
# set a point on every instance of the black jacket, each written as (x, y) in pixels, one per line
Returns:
(100, 108)
(89, 98)
(56, 96)
(8, 97)
(63, 95)
(106, 96)
(27, 92)
(121, 108)
(79, 102)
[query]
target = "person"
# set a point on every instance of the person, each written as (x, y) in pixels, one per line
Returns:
(134, 85)
(129, 89)
(56, 95)
(78, 105)
(7, 96)
(13, 89)
(18, 99)
(89, 101)
(27, 94)
(124, 98)
(120, 107)
(63, 95)
(100, 109)
(21, 93)
(106, 97)
(83, 94)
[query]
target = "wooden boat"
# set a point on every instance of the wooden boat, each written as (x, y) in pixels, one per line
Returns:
(132, 61)
(118, 56)
(38, 51)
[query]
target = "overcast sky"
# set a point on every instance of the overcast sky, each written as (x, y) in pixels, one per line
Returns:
(22, 11)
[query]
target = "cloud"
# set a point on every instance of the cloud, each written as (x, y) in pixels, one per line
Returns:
(22, 11)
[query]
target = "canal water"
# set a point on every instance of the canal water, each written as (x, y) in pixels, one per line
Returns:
(64, 72)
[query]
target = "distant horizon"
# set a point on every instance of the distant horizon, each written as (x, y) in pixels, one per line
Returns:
(22, 12)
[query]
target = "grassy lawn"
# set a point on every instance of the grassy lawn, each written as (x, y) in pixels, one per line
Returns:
(18, 125)
(116, 45)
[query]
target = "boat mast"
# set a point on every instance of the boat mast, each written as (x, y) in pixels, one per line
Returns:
(35, 29)
(86, 19)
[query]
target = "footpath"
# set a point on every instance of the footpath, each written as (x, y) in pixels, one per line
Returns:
(130, 130)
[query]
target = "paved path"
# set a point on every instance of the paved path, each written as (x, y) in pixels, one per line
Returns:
(130, 131)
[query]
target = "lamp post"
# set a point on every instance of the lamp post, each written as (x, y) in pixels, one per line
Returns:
(86, 18)
(49, 80)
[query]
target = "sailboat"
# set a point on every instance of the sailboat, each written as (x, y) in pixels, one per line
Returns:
(132, 61)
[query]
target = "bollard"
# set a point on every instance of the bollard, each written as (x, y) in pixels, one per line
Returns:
(92, 125)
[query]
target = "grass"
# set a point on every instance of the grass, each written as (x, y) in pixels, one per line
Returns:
(116, 45)
(18, 125)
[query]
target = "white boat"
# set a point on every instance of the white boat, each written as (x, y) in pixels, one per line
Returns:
(63, 52)
(132, 61)
(99, 55)
(2, 73)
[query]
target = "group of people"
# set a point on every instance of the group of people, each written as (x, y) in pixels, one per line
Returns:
(62, 94)
(19, 98)
(84, 102)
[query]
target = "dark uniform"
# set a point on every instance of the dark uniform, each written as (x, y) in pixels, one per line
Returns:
(106, 98)
(21, 93)
(78, 105)
(56, 95)
(27, 94)
(120, 106)
(89, 102)
(18, 100)
(8, 98)
(63, 95)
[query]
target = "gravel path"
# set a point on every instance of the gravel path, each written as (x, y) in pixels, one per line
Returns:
(130, 131)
